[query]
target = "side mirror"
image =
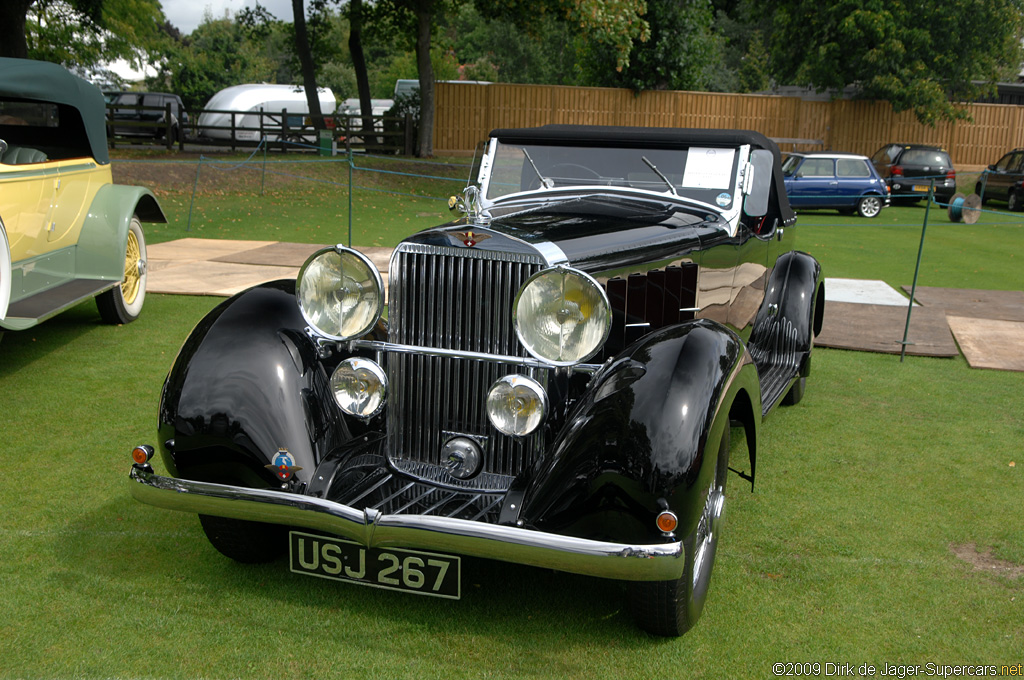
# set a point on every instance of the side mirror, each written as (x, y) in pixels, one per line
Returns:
(762, 163)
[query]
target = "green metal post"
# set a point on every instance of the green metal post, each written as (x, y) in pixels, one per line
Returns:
(263, 177)
(917, 270)
(199, 165)
(350, 197)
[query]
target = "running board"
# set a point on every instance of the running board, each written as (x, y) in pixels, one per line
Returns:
(41, 306)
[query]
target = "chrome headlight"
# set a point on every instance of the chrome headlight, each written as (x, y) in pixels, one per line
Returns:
(360, 387)
(562, 316)
(516, 405)
(340, 293)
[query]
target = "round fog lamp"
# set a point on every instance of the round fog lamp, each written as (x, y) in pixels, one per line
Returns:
(359, 386)
(340, 293)
(516, 405)
(562, 316)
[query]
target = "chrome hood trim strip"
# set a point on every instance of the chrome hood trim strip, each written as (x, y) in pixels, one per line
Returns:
(659, 562)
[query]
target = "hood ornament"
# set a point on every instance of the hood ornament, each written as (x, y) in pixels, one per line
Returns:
(468, 204)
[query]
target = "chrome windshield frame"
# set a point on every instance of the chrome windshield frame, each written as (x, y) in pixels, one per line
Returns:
(740, 187)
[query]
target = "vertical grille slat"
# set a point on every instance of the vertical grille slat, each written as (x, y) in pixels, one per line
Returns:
(457, 299)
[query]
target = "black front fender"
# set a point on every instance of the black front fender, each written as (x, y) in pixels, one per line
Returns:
(246, 384)
(639, 441)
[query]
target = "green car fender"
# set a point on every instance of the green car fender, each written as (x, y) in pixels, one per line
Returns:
(104, 237)
(5, 271)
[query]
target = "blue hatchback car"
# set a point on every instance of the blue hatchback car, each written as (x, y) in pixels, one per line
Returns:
(843, 181)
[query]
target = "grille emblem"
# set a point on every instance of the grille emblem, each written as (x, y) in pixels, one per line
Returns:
(284, 465)
(471, 238)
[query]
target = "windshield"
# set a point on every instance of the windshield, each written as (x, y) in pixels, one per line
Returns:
(925, 157)
(706, 174)
(789, 165)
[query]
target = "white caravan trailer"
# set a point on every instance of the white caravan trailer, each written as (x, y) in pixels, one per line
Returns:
(244, 103)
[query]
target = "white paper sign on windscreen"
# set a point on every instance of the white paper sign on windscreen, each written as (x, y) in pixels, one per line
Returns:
(708, 168)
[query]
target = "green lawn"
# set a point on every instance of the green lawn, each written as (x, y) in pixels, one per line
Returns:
(846, 552)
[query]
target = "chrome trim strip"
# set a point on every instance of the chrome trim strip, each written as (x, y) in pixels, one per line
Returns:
(657, 562)
(378, 346)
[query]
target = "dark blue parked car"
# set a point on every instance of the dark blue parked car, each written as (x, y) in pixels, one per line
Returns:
(843, 181)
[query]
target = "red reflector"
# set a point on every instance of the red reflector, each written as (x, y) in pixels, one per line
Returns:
(667, 522)
(897, 171)
(141, 454)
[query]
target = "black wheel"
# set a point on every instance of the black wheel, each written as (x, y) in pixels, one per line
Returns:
(670, 608)
(123, 303)
(244, 541)
(796, 392)
(978, 189)
(869, 206)
(1013, 202)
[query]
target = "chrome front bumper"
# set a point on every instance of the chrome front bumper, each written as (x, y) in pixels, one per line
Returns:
(659, 562)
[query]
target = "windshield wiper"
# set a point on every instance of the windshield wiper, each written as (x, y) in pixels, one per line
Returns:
(659, 174)
(545, 182)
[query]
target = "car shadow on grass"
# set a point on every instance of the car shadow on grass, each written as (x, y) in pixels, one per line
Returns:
(19, 349)
(164, 560)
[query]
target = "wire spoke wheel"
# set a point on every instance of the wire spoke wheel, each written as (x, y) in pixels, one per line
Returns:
(132, 282)
(123, 303)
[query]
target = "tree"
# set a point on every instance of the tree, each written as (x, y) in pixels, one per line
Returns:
(613, 22)
(917, 54)
(617, 24)
(218, 54)
(500, 50)
(14, 18)
(355, 49)
(755, 69)
(676, 55)
(303, 50)
(83, 34)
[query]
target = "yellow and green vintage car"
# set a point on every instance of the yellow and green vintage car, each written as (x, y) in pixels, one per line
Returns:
(67, 232)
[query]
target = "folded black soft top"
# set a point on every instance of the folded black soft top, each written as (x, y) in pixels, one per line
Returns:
(604, 135)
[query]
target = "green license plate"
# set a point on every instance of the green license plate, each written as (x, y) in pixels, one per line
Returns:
(411, 571)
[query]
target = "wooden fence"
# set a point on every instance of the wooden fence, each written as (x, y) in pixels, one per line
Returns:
(136, 124)
(466, 112)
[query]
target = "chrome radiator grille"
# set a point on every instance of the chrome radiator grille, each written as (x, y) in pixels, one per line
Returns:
(457, 299)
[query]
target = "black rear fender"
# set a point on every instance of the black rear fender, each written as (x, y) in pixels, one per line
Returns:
(792, 313)
(795, 292)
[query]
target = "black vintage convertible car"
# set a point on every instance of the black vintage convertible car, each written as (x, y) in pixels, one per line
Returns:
(554, 383)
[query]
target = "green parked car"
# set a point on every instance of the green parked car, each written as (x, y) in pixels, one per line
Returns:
(67, 232)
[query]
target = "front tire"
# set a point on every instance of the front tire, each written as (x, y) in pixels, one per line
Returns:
(1013, 202)
(978, 188)
(123, 303)
(670, 608)
(244, 541)
(869, 206)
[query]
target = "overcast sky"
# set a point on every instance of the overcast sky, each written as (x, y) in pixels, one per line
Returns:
(187, 14)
